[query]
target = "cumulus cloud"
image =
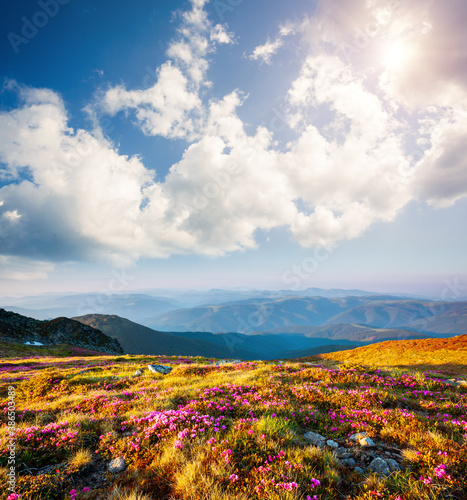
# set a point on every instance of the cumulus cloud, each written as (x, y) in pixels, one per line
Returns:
(220, 35)
(265, 52)
(369, 136)
(169, 108)
(172, 108)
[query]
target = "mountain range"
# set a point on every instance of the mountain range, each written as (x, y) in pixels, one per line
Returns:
(138, 339)
(284, 313)
(259, 325)
(139, 306)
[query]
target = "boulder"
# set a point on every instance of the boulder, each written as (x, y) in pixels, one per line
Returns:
(315, 439)
(117, 465)
(138, 373)
(393, 465)
(358, 436)
(362, 439)
(349, 462)
(379, 466)
(159, 369)
(332, 443)
(366, 442)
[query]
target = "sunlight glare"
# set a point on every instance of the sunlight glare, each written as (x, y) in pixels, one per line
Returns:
(396, 54)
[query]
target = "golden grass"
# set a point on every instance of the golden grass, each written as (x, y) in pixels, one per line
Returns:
(421, 354)
(81, 458)
(265, 406)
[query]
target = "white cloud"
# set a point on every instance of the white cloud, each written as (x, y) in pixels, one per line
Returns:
(19, 269)
(359, 152)
(265, 52)
(169, 108)
(441, 175)
(220, 35)
(11, 215)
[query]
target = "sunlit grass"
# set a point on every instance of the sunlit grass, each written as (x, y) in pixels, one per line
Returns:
(230, 431)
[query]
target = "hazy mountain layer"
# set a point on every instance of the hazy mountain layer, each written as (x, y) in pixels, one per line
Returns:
(286, 314)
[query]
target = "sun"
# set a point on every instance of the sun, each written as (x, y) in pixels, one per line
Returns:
(397, 54)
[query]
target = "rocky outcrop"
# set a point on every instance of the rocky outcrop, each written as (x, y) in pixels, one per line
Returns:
(17, 328)
(360, 453)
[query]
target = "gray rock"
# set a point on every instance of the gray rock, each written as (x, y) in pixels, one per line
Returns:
(379, 466)
(332, 443)
(366, 442)
(117, 465)
(362, 439)
(315, 439)
(393, 465)
(138, 373)
(349, 462)
(159, 369)
(359, 470)
(346, 456)
(358, 436)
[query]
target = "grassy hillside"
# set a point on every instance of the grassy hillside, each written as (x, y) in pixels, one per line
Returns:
(231, 432)
(438, 353)
(138, 339)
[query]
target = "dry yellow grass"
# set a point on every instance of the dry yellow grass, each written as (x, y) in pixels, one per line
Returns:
(81, 458)
(450, 354)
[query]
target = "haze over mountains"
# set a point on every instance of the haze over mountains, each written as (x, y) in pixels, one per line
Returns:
(264, 314)
(139, 306)
(250, 324)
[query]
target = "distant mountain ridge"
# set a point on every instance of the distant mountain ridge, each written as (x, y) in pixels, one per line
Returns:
(21, 329)
(138, 339)
(139, 305)
(264, 314)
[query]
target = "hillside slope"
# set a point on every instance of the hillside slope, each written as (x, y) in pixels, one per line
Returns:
(450, 353)
(138, 339)
(21, 329)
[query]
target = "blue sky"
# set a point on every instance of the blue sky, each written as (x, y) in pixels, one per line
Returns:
(232, 143)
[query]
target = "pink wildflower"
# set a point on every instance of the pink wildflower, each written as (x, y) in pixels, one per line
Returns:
(315, 482)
